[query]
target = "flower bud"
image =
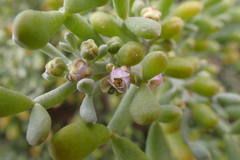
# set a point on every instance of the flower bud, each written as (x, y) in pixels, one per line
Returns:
(79, 70)
(188, 9)
(171, 27)
(56, 67)
(130, 54)
(89, 50)
(153, 64)
(114, 44)
(151, 13)
(85, 85)
(71, 40)
(144, 27)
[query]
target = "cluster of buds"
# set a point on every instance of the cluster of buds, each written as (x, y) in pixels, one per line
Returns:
(89, 50)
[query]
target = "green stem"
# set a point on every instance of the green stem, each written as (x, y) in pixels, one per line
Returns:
(122, 116)
(54, 97)
(53, 52)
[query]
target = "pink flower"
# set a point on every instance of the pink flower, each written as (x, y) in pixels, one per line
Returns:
(155, 82)
(119, 79)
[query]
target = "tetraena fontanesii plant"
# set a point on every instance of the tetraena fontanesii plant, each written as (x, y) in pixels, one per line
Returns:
(152, 54)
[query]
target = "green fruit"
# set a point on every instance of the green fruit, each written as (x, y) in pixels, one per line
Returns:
(228, 99)
(76, 141)
(130, 54)
(105, 24)
(145, 108)
(39, 125)
(171, 27)
(179, 67)
(13, 102)
(125, 149)
(34, 29)
(144, 27)
(169, 113)
(75, 6)
(205, 86)
(156, 145)
(153, 64)
(205, 115)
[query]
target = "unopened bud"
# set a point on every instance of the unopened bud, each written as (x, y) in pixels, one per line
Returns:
(89, 50)
(152, 13)
(56, 67)
(114, 44)
(79, 70)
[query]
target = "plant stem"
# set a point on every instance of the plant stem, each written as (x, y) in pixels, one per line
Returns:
(122, 116)
(53, 52)
(57, 95)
